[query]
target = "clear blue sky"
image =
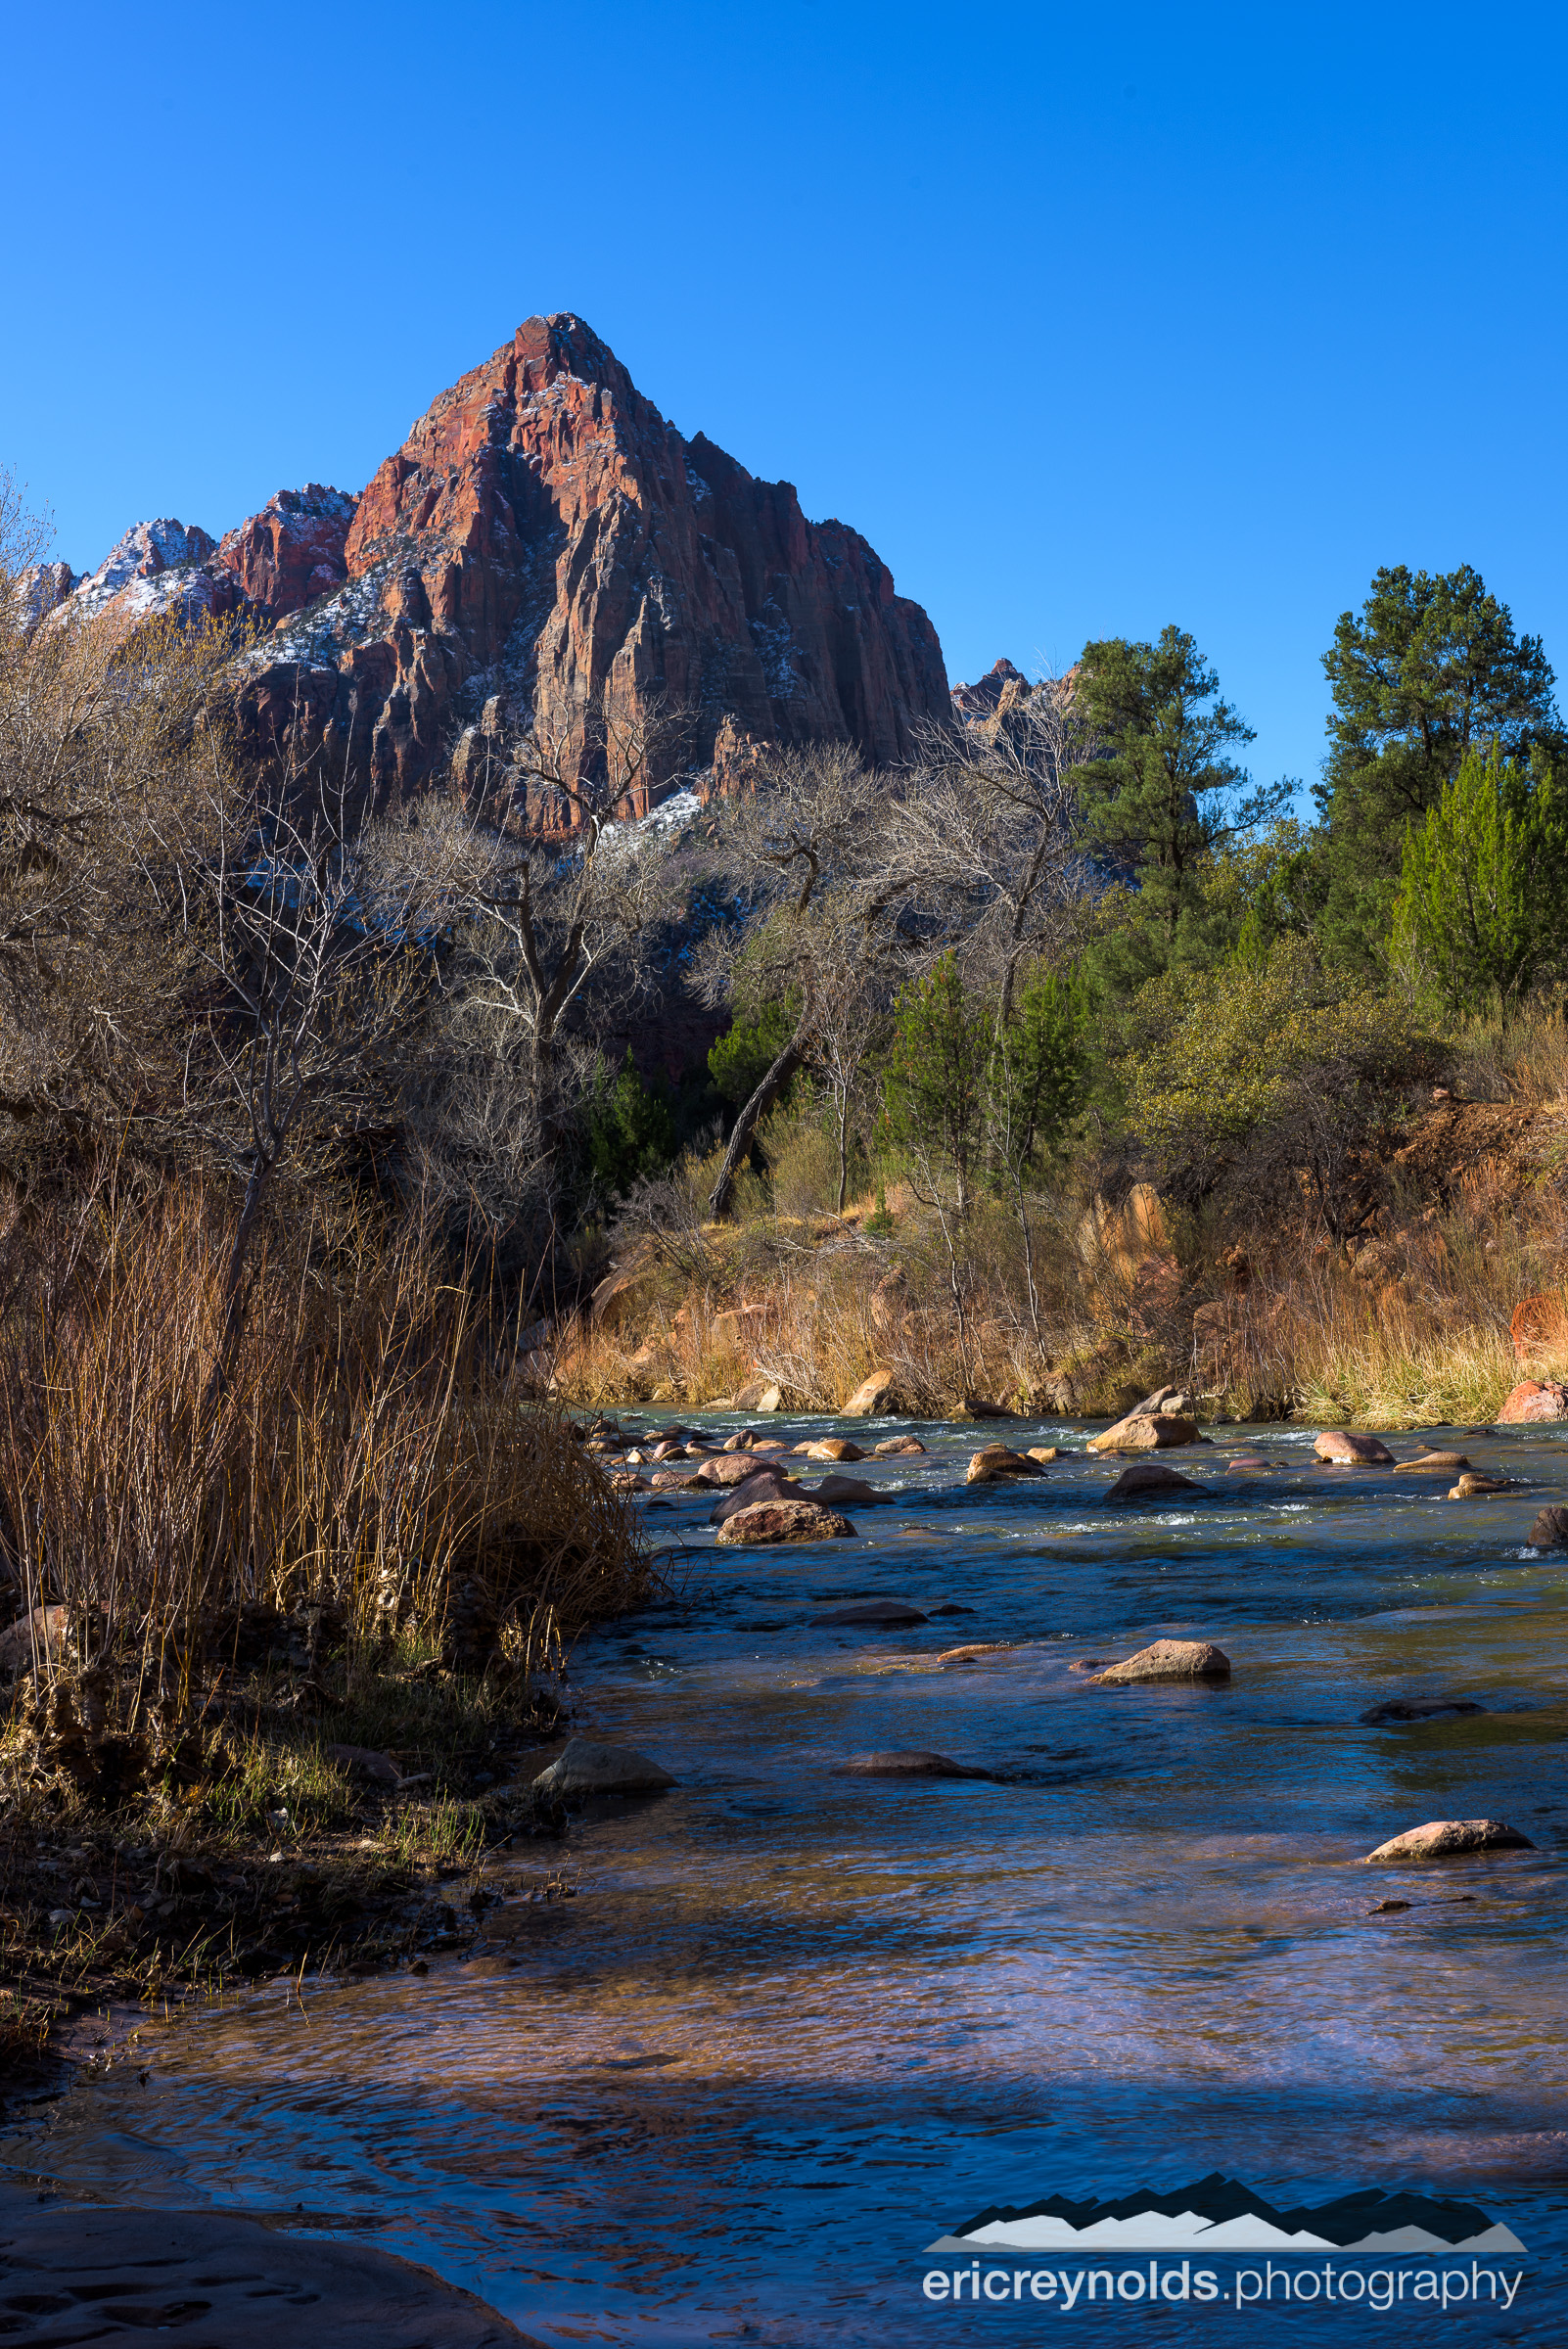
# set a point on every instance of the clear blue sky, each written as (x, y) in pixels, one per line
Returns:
(1088, 318)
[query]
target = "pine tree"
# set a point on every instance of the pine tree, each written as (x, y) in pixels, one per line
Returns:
(934, 1088)
(1483, 887)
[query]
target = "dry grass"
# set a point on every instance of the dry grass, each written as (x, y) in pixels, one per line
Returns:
(369, 1451)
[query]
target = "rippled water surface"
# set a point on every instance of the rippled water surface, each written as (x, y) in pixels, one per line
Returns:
(794, 2025)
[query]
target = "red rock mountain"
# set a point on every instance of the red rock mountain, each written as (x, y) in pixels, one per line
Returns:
(544, 536)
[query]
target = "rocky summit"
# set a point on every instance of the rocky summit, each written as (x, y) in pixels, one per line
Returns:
(543, 538)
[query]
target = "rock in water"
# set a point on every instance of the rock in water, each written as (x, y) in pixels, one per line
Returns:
(1418, 1708)
(1432, 1463)
(874, 1610)
(785, 1519)
(760, 1394)
(998, 1465)
(1550, 1529)
(1451, 1839)
(584, 1768)
(767, 1484)
(1146, 1478)
(733, 1468)
(1346, 1450)
(975, 1406)
(1147, 1431)
(906, 1765)
(898, 1448)
(832, 1448)
(851, 1492)
(873, 1397)
(1169, 1660)
(1472, 1487)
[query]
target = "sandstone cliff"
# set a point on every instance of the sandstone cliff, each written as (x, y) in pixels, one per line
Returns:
(543, 539)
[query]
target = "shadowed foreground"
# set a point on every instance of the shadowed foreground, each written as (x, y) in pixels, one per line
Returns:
(77, 2272)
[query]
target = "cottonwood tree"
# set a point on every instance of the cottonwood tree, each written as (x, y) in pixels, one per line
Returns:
(554, 889)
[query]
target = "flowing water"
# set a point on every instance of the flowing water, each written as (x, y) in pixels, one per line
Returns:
(796, 2025)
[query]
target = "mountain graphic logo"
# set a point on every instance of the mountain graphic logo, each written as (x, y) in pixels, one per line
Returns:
(1221, 2214)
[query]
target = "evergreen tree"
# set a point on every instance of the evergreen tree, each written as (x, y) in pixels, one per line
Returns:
(631, 1131)
(934, 1088)
(1040, 1074)
(1154, 799)
(1483, 890)
(1428, 670)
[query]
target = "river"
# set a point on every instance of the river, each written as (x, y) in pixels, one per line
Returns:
(794, 2025)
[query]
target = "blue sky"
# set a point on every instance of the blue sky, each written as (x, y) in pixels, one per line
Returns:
(1089, 319)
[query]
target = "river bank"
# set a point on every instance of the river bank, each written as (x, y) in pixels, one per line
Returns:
(796, 2023)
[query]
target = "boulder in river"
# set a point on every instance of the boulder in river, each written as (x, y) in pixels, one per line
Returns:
(851, 1491)
(906, 1764)
(872, 1397)
(996, 1465)
(1433, 1464)
(765, 1484)
(1148, 1477)
(1167, 1660)
(831, 1447)
(791, 1517)
(1451, 1839)
(1550, 1529)
(731, 1468)
(1472, 1487)
(1420, 1708)
(758, 1395)
(1147, 1431)
(889, 1611)
(975, 1406)
(585, 1768)
(1043, 1452)
(1343, 1450)
(898, 1448)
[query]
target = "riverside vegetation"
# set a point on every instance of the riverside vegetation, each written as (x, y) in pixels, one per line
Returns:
(1055, 1064)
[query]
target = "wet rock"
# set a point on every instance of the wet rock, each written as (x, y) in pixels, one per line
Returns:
(730, 1468)
(873, 1397)
(906, 1764)
(832, 1448)
(1147, 1478)
(1343, 1450)
(1420, 1708)
(627, 1480)
(998, 1465)
(1147, 1431)
(675, 1479)
(975, 1406)
(759, 1395)
(1534, 1398)
(873, 1611)
(851, 1492)
(981, 1647)
(1169, 1660)
(785, 1519)
(1550, 1529)
(1248, 1460)
(898, 1448)
(1472, 1487)
(584, 1768)
(767, 1483)
(1043, 1452)
(1432, 1463)
(1451, 1839)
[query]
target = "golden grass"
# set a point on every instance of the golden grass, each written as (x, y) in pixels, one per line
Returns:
(370, 1450)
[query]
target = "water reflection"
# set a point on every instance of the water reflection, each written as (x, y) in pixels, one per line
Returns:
(796, 2024)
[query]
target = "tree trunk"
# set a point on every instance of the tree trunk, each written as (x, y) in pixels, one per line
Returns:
(755, 1109)
(843, 1147)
